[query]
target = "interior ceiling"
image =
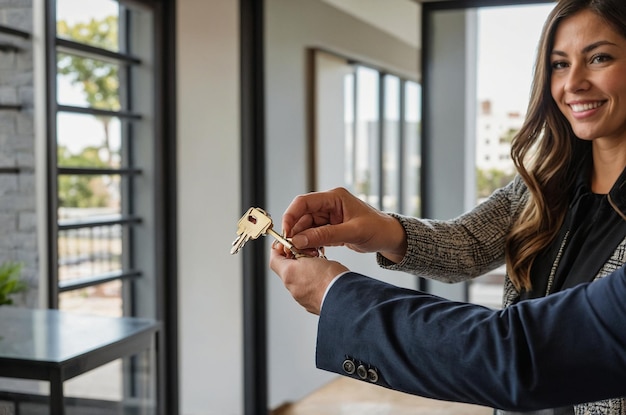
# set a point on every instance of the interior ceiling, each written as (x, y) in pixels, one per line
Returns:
(398, 18)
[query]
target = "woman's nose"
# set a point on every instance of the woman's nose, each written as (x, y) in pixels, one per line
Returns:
(577, 79)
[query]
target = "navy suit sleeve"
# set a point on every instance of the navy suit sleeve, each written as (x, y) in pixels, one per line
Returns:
(564, 349)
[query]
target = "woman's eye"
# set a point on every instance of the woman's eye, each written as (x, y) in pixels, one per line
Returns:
(559, 65)
(600, 58)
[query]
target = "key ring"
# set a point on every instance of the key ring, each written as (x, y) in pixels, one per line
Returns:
(320, 252)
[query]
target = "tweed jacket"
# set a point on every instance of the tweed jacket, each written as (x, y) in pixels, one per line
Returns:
(473, 243)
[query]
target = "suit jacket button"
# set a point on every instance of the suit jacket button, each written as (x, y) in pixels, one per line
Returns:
(362, 372)
(348, 366)
(372, 375)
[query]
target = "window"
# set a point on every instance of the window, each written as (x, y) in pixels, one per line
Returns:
(95, 165)
(106, 221)
(479, 76)
(382, 140)
(377, 116)
(503, 104)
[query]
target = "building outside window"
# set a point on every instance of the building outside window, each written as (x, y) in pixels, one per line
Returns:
(503, 90)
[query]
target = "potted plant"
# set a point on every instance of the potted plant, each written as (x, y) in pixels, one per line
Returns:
(10, 281)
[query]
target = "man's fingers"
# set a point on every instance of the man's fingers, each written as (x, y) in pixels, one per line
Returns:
(278, 259)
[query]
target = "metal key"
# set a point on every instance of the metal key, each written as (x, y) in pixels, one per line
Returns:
(255, 223)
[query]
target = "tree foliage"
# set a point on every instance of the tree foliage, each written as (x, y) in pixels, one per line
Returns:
(99, 79)
(489, 180)
(99, 82)
(82, 191)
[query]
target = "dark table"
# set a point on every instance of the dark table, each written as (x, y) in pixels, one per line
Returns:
(53, 345)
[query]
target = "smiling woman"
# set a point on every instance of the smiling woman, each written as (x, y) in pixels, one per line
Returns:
(559, 226)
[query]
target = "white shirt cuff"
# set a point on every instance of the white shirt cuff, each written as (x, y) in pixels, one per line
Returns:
(330, 285)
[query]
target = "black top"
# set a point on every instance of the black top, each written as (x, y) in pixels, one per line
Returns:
(592, 229)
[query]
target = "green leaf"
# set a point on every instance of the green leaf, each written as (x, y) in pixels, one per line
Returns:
(10, 281)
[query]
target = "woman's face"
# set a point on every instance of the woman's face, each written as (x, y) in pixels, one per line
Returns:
(588, 79)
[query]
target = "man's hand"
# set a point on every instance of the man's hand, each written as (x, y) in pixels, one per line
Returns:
(305, 278)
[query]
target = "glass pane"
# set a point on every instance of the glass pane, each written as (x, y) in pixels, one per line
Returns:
(108, 378)
(86, 252)
(366, 144)
(101, 391)
(412, 204)
(391, 149)
(86, 82)
(501, 107)
(88, 141)
(88, 196)
(502, 103)
(349, 131)
(93, 22)
(103, 300)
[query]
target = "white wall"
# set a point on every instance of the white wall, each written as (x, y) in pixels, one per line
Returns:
(208, 207)
(210, 319)
(292, 26)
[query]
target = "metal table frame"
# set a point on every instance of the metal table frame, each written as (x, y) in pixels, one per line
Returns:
(52, 345)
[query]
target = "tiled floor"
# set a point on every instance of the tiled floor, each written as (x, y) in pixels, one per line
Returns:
(345, 396)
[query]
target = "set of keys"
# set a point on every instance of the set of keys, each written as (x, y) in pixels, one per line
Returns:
(256, 223)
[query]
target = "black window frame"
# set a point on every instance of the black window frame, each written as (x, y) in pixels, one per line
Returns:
(163, 194)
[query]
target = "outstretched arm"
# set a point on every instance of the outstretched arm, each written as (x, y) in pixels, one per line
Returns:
(563, 349)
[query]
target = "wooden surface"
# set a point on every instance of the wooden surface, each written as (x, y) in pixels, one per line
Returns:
(346, 396)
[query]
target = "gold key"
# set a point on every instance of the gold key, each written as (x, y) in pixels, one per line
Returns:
(255, 223)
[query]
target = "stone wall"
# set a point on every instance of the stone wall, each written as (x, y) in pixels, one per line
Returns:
(18, 219)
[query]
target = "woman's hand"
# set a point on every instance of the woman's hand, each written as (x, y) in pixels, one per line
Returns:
(338, 218)
(305, 278)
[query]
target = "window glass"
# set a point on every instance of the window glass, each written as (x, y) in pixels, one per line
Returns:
(92, 22)
(387, 165)
(84, 196)
(366, 149)
(102, 397)
(349, 106)
(84, 252)
(501, 103)
(501, 107)
(103, 300)
(88, 82)
(412, 150)
(85, 140)
(391, 144)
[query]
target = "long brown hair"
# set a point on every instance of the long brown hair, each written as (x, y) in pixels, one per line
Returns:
(546, 150)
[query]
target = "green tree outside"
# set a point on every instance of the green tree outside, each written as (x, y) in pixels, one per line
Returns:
(82, 191)
(489, 180)
(99, 81)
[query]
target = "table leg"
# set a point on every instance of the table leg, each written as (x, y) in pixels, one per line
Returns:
(57, 406)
